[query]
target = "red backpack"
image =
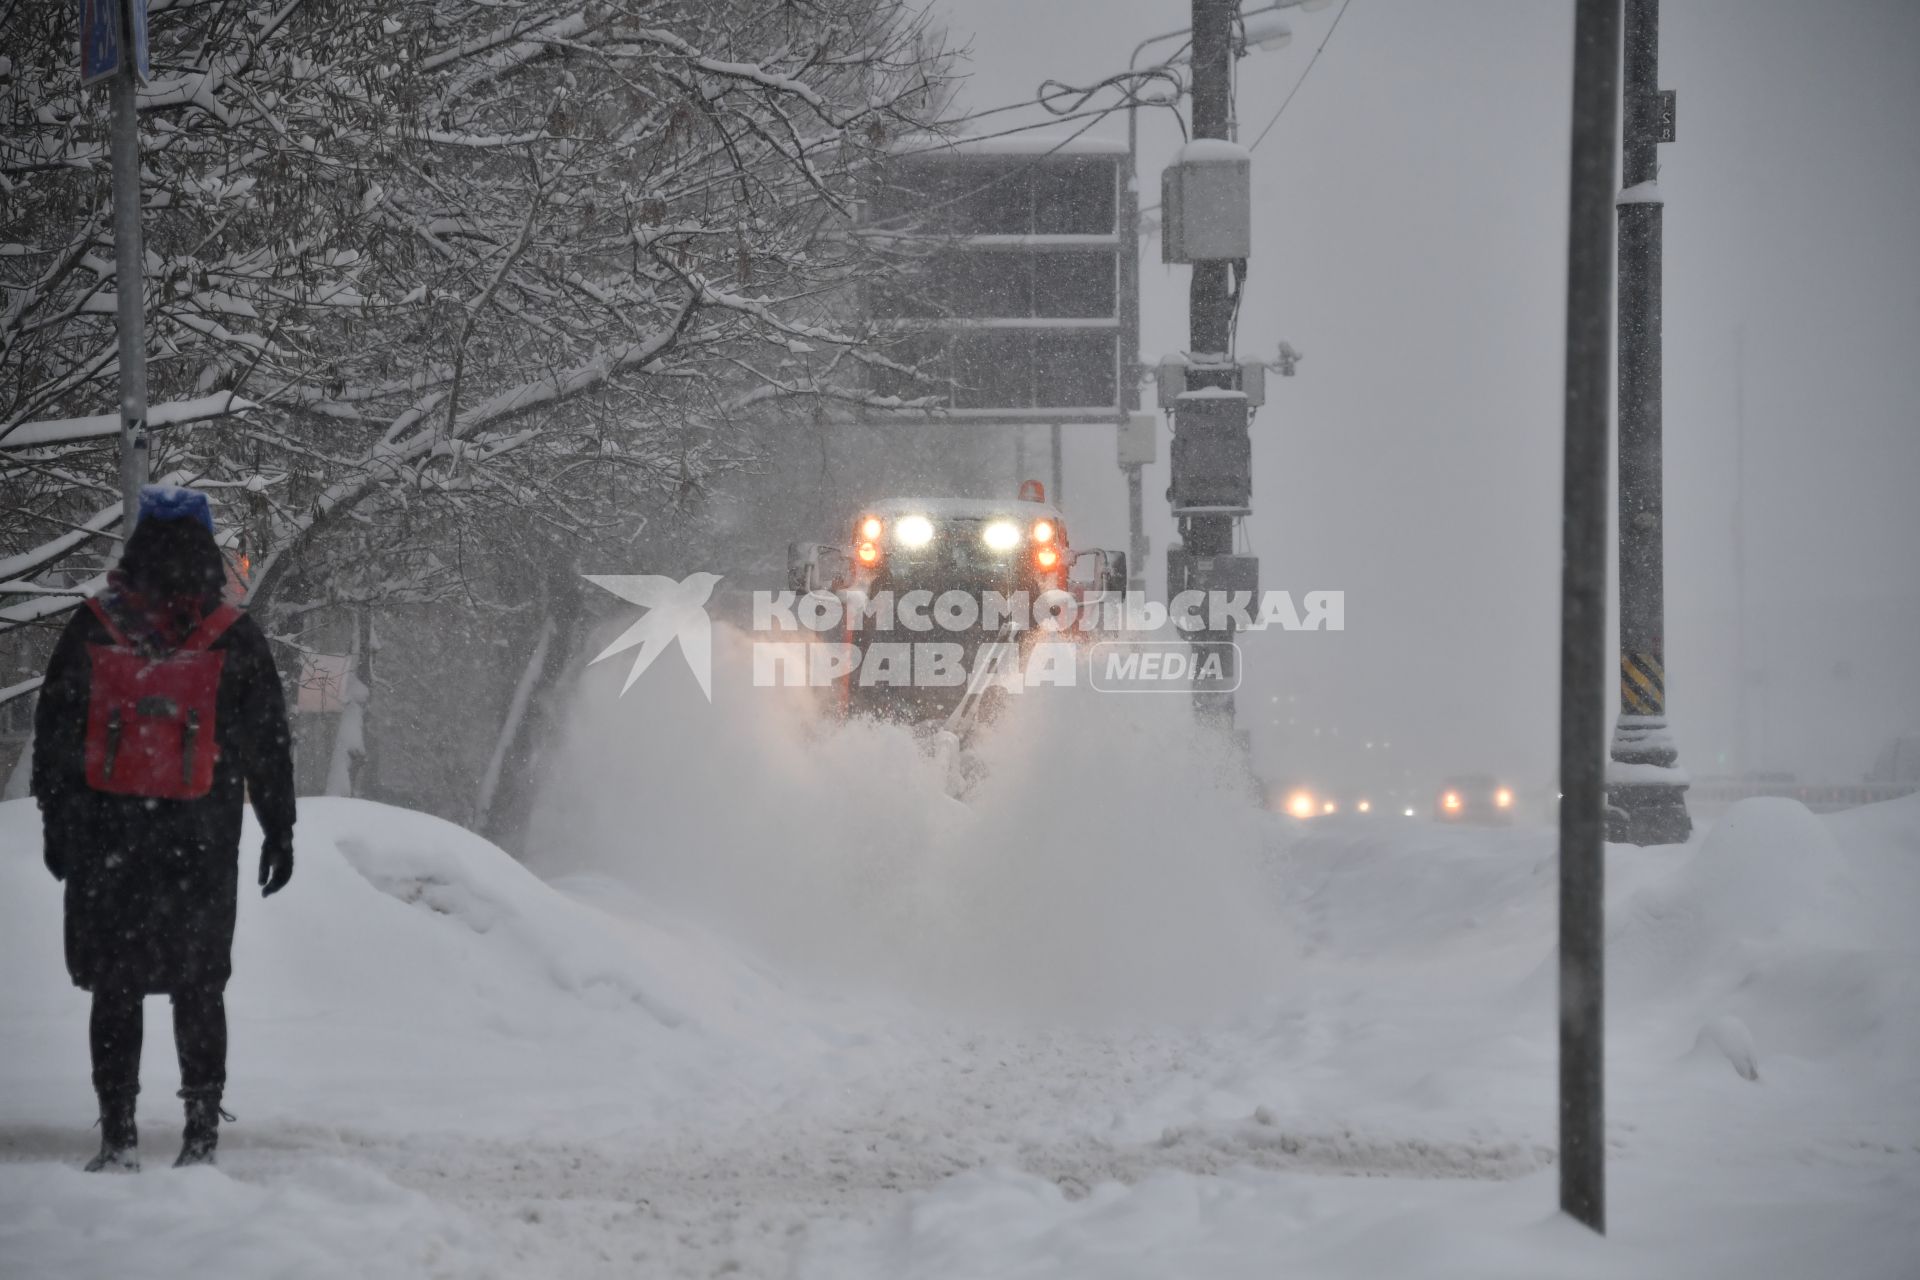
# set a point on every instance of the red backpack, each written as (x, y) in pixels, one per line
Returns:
(150, 720)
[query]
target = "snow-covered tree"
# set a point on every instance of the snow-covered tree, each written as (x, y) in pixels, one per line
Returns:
(440, 295)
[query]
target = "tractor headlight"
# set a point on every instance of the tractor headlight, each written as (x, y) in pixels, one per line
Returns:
(913, 531)
(1001, 535)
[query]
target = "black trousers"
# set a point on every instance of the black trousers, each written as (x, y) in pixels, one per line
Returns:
(199, 1033)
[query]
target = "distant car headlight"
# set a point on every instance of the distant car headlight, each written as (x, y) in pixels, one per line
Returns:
(913, 531)
(1001, 535)
(1503, 799)
(1450, 802)
(1300, 804)
(1365, 806)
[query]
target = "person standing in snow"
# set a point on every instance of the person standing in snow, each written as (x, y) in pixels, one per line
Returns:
(161, 712)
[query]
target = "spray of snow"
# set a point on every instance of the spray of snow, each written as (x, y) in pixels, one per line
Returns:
(1103, 866)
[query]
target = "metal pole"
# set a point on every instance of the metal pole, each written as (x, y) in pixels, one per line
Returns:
(1646, 800)
(1583, 616)
(1137, 534)
(1057, 493)
(129, 281)
(1740, 758)
(1209, 303)
(1130, 346)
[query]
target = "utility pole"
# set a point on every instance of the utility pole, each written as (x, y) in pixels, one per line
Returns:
(1646, 792)
(1210, 436)
(1583, 619)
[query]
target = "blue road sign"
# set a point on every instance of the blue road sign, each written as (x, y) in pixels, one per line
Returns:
(103, 29)
(140, 41)
(100, 42)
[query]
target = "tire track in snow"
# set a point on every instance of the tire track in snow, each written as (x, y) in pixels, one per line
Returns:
(727, 1195)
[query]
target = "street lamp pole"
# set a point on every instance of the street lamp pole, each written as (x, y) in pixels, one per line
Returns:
(1646, 792)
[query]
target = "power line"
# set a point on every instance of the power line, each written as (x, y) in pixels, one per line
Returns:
(1303, 75)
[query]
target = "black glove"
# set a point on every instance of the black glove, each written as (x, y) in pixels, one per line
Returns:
(53, 837)
(276, 864)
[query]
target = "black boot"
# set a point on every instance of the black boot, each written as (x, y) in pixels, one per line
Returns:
(119, 1139)
(203, 1127)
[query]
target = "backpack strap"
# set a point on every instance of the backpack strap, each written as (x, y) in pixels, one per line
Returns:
(114, 633)
(210, 629)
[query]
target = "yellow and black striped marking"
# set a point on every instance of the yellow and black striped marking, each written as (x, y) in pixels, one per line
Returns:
(1643, 684)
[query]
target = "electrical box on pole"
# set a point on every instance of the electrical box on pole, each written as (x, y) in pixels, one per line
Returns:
(1138, 440)
(1011, 306)
(1206, 203)
(1212, 454)
(1170, 380)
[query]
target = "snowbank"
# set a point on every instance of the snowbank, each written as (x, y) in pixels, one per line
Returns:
(1764, 1079)
(413, 984)
(407, 954)
(1764, 940)
(324, 1219)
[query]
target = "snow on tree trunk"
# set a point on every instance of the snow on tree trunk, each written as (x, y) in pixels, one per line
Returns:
(347, 773)
(511, 726)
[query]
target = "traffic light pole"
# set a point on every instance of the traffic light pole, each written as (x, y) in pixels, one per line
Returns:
(1210, 312)
(1646, 793)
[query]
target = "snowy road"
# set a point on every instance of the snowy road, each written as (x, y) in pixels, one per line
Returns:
(1090, 1026)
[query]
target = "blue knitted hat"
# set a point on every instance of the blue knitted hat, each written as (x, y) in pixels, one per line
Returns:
(171, 502)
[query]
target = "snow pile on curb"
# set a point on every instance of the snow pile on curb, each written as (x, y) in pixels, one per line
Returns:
(406, 953)
(1763, 941)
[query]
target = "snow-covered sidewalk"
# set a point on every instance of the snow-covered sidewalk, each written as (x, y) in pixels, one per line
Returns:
(447, 1066)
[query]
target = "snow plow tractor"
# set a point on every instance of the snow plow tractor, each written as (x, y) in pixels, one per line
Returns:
(937, 598)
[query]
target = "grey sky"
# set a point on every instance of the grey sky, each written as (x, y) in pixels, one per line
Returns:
(1410, 232)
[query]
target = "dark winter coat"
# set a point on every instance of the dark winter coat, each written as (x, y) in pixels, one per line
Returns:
(151, 884)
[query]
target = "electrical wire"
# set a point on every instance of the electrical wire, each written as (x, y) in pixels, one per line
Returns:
(1091, 117)
(1129, 82)
(1334, 26)
(1049, 91)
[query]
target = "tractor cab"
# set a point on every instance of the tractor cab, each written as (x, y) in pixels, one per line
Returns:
(930, 582)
